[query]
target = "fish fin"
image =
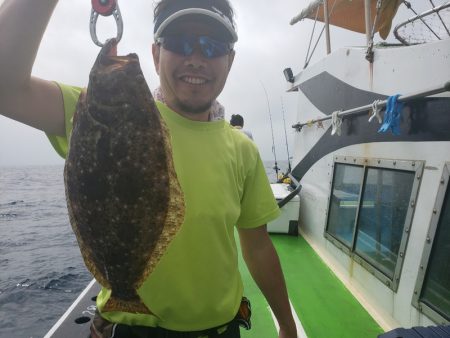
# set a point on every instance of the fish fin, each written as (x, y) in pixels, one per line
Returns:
(132, 306)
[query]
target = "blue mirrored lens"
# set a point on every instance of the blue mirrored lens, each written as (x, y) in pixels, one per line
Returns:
(185, 45)
(213, 48)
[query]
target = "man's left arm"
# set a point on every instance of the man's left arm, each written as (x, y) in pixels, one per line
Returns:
(264, 265)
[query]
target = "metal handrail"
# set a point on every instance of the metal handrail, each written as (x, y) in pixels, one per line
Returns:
(358, 110)
(419, 17)
(291, 195)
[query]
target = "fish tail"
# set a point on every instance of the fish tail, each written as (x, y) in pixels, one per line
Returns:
(134, 305)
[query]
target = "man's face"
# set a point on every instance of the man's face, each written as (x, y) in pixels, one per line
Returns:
(191, 83)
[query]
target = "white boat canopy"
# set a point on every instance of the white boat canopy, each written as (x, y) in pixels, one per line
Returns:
(349, 14)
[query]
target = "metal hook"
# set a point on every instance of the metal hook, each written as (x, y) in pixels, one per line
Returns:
(113, 8)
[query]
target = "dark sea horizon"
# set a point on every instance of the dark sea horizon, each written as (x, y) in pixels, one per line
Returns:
(41, 269)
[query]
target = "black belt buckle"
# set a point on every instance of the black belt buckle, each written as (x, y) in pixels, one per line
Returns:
(244, 314)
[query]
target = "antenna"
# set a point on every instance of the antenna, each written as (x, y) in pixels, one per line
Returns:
(285, 135)
(271, 128)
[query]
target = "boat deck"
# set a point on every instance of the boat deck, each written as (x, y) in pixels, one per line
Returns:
(324, 307)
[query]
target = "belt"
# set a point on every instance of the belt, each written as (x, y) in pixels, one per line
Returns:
(102, 328)
(120, 331)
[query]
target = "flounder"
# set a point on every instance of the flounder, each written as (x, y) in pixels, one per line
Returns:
(124, 200)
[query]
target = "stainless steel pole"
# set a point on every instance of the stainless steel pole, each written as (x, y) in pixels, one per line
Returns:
(432, 91)
(368, 12)
(327, 25)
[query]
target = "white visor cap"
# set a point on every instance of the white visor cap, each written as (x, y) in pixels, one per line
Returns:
(212, 13)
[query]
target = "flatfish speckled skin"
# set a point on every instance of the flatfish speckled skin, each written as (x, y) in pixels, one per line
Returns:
(124, 200)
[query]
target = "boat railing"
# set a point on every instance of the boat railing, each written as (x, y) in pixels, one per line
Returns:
(291, 195)
(380, 105)
(434, 22)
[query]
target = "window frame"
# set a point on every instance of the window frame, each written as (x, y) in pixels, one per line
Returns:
(415, 166)
(432, 229)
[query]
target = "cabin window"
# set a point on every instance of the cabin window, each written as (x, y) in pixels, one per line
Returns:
(344, 202)
(370, 212)
(432, 291)
(385, 203)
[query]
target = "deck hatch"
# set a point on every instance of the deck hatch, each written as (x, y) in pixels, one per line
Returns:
(432, 290)
(370, 212)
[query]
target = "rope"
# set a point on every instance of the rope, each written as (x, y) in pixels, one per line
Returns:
(376, 111)
(336, 123)
(320, 35)
(310, 40)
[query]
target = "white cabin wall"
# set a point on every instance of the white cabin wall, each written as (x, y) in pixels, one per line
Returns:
(393, 73)
(309, 135)
(419, 229)
(391, 309)
(401, 74)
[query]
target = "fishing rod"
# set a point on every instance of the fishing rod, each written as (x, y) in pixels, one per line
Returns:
(285, 135)
(271, 128)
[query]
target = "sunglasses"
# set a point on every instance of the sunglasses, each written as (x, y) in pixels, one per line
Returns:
(185, 44)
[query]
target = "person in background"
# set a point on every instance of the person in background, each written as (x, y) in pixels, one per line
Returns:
(196, 289)
(237, 121)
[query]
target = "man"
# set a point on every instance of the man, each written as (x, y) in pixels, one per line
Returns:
(196, 287)
(237, 121)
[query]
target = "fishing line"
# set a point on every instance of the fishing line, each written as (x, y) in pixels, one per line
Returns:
(271, 128)
(285, 135)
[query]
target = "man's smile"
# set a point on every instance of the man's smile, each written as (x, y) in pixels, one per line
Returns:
(193, 80)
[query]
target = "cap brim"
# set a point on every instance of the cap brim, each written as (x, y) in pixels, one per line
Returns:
(224, 22)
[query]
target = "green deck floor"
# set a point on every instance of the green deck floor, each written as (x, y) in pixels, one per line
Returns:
(324, 306)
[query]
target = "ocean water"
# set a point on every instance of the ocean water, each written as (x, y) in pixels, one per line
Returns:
(41, 269)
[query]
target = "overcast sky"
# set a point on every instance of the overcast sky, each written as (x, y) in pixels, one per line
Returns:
(267, 44)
